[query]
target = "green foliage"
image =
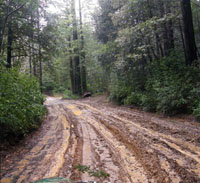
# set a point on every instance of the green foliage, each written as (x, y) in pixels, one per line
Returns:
(145, 59)
(49, 86)
(82, 168)
(175, 86)
(97, 76)
(58, 90)
(134, 98)
(148, 101)
(170, 88)
(197, 112)
(69, 95)
(171, 98)
(98, 174)
(119, 89)
(92, 173)
(119, 94)
(21, 103)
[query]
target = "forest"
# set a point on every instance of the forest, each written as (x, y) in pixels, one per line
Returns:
(107, 90)
(143, 53)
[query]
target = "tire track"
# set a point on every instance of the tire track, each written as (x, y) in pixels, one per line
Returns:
(47, 157)
(131, 148)
(184, 149)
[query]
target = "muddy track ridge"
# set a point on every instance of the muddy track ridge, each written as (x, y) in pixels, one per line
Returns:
(131, 145)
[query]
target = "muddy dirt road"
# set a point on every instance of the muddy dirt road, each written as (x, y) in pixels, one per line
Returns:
(132, 146)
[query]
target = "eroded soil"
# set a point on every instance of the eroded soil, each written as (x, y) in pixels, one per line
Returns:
(131, 145)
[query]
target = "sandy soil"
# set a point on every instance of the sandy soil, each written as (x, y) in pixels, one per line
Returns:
(131, 145)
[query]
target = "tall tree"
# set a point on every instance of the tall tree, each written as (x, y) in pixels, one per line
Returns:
(77, 76)
(190, 45)
(9, 46)
(82, 55)
(71, 68)
(6, 13)
(105, 30)
(39, 43)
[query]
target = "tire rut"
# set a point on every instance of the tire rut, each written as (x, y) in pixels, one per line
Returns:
(96, 152)
(132, 146)
(46, 157)
(182, 150)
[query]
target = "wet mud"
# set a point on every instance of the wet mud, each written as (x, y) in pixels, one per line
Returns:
(132, 146)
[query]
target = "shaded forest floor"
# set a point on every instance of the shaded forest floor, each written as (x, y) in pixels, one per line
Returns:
(131, 145)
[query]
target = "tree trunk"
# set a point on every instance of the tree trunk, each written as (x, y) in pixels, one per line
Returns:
(182, 37)
(171, 35)
(167, 30)
(31, 61)
(40, 66)
(30, 58)
(9, 47)
(83, 66)
(198, 23)
(71, 66)
(1, 40)
(77, 89)
(164, 30)
(190, 45)
(170, 27)
(157, 39)
(39, 46)
(2, 32)
(34, 67)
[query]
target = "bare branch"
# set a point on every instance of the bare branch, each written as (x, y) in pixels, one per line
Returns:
(16, 10)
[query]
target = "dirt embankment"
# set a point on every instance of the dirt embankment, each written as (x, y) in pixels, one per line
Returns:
(131, 145)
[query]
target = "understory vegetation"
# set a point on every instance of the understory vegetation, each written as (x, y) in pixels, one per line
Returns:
(146, 56)
(21, 104)
(169, 87)
(67, 94)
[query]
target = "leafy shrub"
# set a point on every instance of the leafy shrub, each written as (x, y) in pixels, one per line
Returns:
(148, 102)
(69, 95)
(119, 90)
(21, 103)
(173, 86)
(168, 86)
(197, 112)
(92, 173)
(171, 100)
(59, 90)
(48, 85)
(145, 100)
(134, 98)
